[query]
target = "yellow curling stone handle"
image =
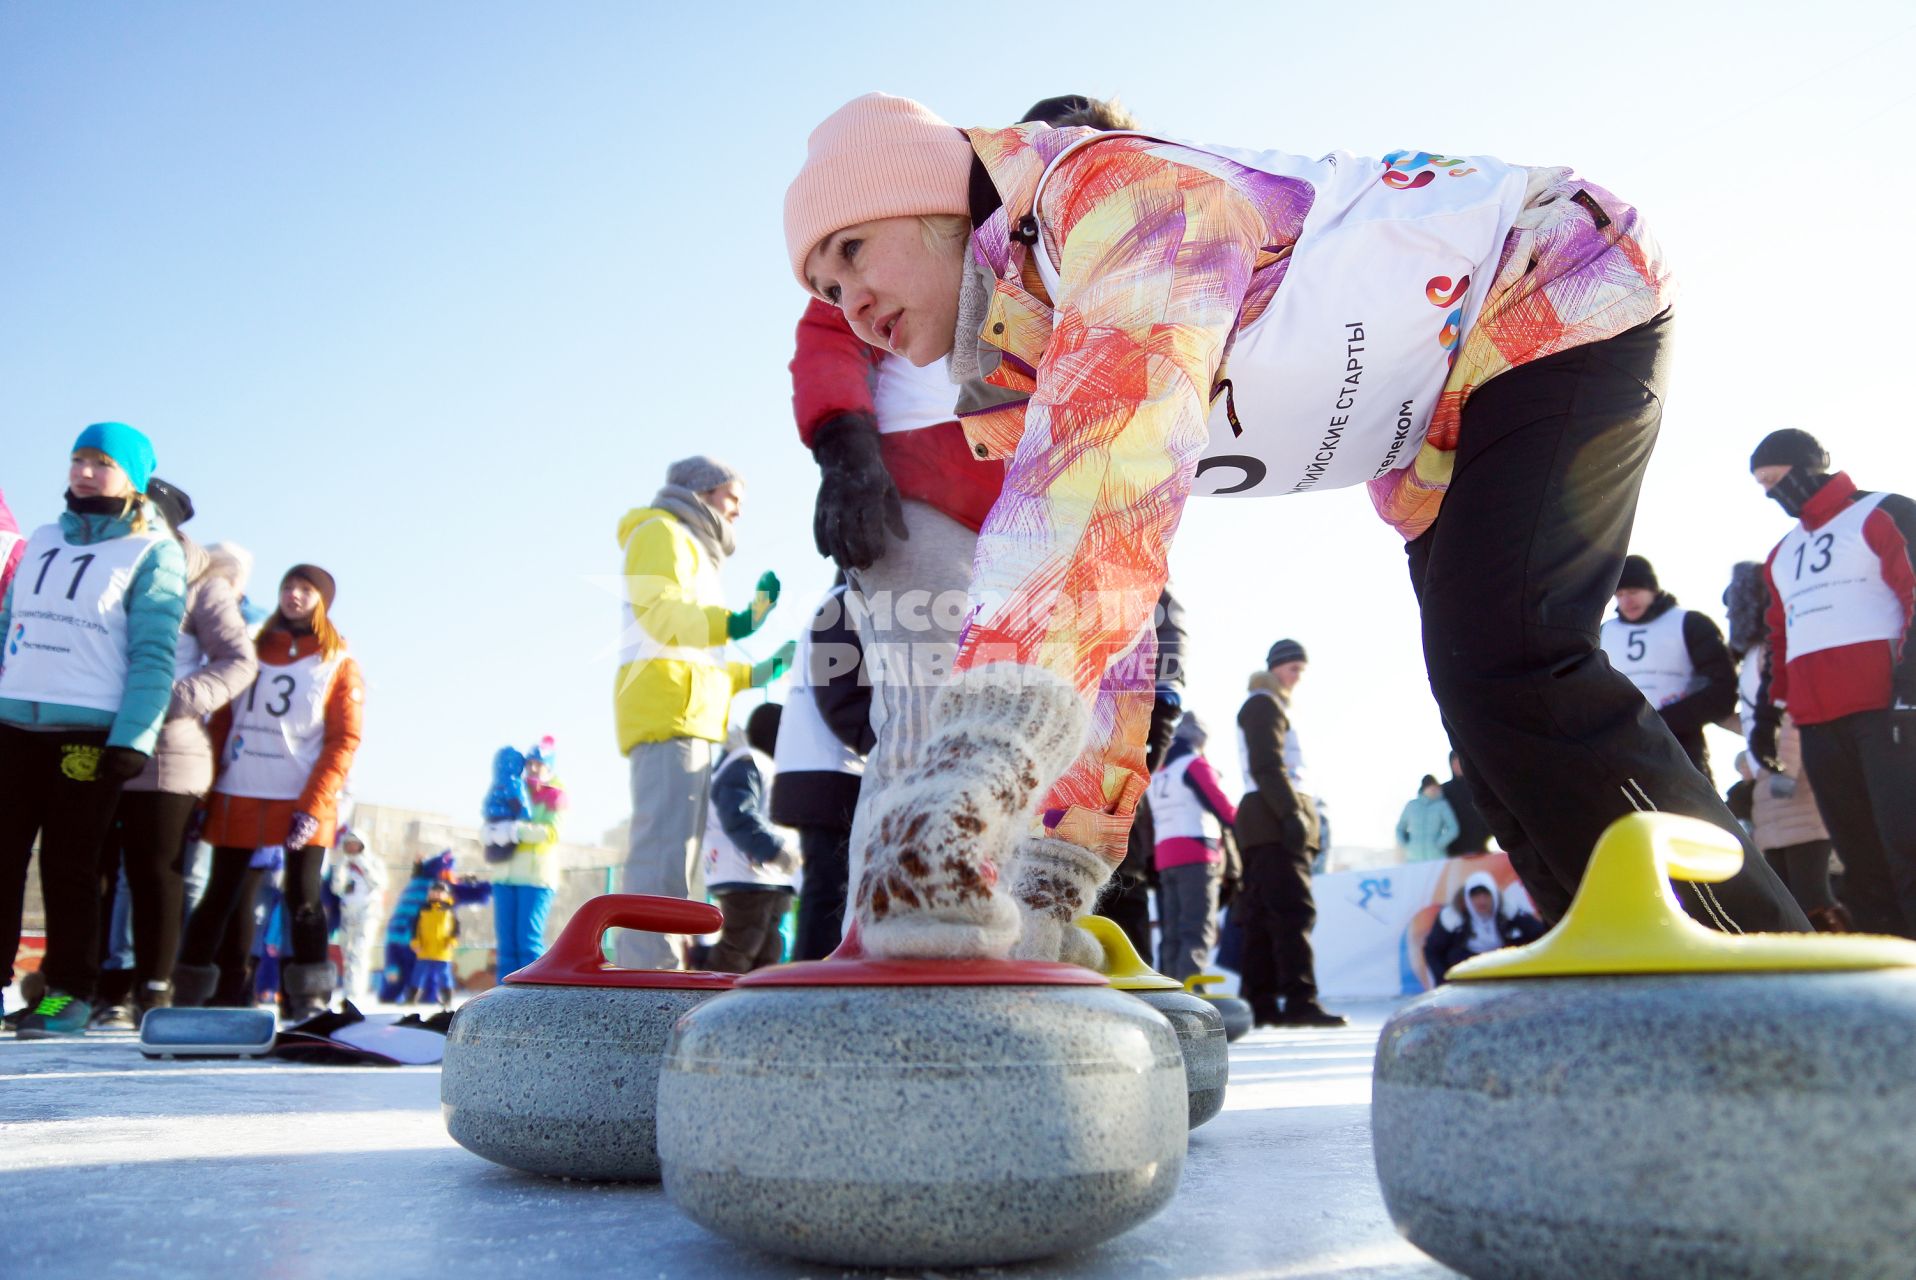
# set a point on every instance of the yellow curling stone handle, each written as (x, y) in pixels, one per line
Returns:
(1122, 964)
(1626, 919)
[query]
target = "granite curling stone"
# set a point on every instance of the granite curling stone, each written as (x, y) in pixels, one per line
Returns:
(1641, 1096)
(556, 1071)
(921, 1113)
(1236, 1012)
(1200, 1026)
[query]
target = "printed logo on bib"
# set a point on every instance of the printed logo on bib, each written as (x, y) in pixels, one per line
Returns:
(80, 762)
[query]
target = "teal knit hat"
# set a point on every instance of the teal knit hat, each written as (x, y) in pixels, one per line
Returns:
(130, 450)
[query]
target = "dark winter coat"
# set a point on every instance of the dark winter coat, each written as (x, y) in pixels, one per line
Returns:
(1448, 942)
(1276, 812)
(1473, 833)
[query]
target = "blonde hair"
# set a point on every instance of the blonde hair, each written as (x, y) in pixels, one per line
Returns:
(941, 229)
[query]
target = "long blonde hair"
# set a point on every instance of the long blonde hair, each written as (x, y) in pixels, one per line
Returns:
(330, 641)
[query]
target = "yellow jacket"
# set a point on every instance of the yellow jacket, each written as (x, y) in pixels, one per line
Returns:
(673, 680)
(436, 935)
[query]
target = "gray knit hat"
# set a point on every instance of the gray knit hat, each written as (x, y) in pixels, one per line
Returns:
(1285, 651)
(699, 473)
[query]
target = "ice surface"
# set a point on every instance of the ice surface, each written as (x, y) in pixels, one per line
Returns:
(112, 1164)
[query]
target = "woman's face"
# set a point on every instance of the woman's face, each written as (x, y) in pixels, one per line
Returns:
(91, 474)
(297, 599)
(897, 293)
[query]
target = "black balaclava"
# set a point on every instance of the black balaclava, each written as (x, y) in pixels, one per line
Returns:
(1809, 465)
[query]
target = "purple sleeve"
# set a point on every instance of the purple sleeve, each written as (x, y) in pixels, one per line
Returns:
(1202, 778)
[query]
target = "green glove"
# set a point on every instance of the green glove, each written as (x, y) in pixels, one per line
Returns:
(772, 668)
(752, 617)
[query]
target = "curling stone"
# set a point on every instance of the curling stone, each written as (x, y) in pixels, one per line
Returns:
(1236, 1013)
(1200, 1028)
(921, 1113)
(1636, 1095)
(556, 1070)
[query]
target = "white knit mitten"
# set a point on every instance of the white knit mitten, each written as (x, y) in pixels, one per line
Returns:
(1054, 882)
(941, 831)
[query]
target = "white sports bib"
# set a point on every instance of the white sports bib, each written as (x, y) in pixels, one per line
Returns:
(806, 744)
(1831, 585)
(1335, 384)
(279, 728)
(725, 862)
(1652, 654)
(905, 397)
(1176, 810)
(66, 640)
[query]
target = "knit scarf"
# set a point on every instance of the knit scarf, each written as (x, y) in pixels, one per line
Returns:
(703, 523)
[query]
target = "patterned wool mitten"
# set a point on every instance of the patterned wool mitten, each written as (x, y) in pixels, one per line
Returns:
(1054, 882)
(941, 830)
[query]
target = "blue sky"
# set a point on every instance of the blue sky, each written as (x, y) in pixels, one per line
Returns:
(430, 294)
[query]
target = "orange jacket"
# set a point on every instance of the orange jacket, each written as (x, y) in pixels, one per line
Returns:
(243, 822)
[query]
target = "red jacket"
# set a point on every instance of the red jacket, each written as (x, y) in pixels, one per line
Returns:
(832, 374)
(1832, 683)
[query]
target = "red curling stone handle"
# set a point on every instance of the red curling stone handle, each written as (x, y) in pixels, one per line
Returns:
(577, 956)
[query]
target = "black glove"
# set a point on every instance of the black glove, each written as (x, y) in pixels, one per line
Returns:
(857, 500)
(122, 764)
(1166, 709)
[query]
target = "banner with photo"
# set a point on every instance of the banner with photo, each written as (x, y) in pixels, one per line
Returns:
(1371, 924)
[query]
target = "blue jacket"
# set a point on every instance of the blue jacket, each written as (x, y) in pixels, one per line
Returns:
(155, 603)
(1426, 828)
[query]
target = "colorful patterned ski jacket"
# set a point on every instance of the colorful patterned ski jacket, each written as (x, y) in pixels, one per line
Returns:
(1099, 397)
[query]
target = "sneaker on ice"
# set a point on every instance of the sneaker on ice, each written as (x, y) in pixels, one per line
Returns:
(57, 1015)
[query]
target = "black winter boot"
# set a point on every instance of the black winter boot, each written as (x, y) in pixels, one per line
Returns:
(305, 990)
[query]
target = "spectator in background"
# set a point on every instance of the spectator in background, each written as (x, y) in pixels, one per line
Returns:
(1189, 812)
(359, 882)
(435, 940)
(80, 713)
(523, 887)
(1675, 657)
(1277, 831)
(749, 863)
(1427, 826)
(1473, 833)
(286, 747)
(212, 664)
(1477, 919)
(12, 545)
(675, 687)
(823, 736)
(1781, 804)
(1842, 591)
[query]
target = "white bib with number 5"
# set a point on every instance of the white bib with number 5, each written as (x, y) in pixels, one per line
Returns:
(279, 726)
(1831, 583)
(66, 640)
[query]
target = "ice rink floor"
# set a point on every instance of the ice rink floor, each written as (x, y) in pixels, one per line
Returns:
(113, 1165)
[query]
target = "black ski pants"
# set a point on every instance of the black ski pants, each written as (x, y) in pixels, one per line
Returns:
(750, 939)
(149, 832)
(1275, 906)
(50, 788)
(821, 902)
(221, 929)
(1865, 784)
(1513, 579)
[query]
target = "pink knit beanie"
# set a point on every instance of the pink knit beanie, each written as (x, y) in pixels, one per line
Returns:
(875, 157)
